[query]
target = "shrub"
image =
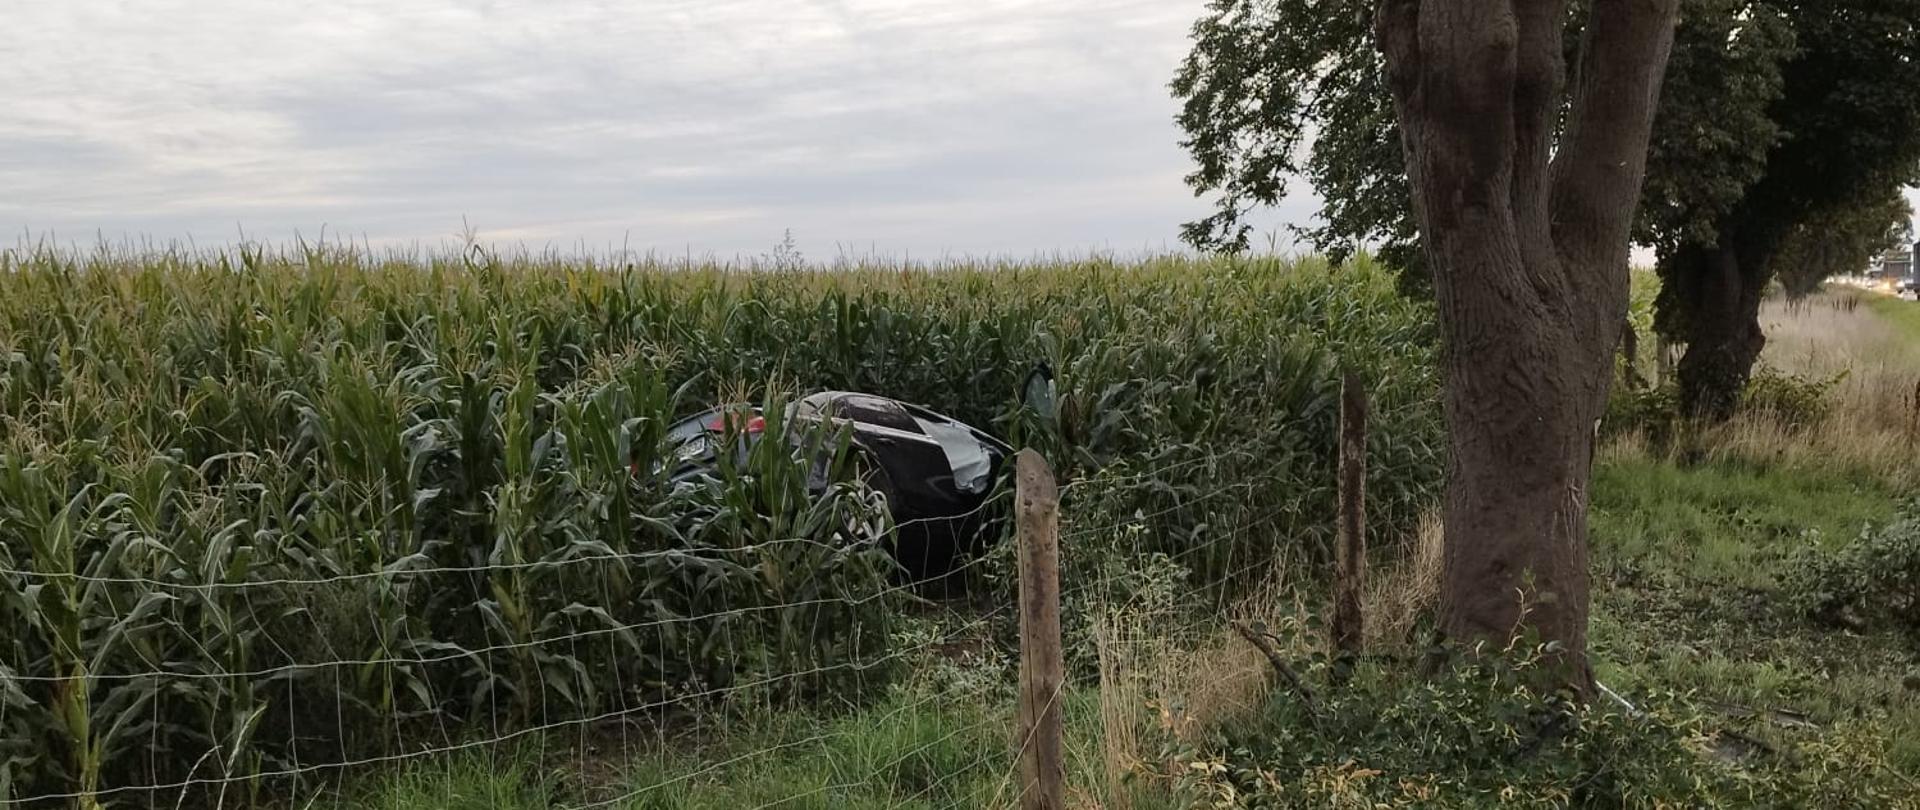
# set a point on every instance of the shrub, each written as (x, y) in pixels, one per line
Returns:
(1872, 581)
(1793, 400)
(1479, 734)
(1652, 412)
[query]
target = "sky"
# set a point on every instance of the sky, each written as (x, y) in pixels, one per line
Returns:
(911, 128)
(989, 127)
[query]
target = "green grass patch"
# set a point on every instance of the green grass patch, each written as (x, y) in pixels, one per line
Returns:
(911, 751)
(1897, 311)
(1723, 523)
(484, 779)
(1688, 569)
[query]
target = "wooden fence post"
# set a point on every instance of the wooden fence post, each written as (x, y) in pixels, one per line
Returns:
(1663, 360)
(1350, 551)
(1042, 668)
(1913, 430)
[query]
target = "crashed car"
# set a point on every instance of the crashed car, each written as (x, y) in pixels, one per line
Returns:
(935, 472)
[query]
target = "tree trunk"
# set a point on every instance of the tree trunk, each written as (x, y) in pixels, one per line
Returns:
(1527, 241)
(1710, 300)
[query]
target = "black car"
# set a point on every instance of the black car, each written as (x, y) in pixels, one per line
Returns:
(935, 472)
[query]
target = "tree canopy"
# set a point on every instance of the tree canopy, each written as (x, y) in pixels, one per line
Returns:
(1844, 241)
(1775, 115)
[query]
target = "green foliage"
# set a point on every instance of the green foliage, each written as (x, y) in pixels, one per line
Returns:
(453, 460)
(574, 589)
(1715, 127)
(1652, 411)
(1263, 75)
(1846, 121)
(1791, 400)
(1475, 735)
(1266, 78)
(1872, 581)
(1776, 119)
(1844, 241)
(1479, 734)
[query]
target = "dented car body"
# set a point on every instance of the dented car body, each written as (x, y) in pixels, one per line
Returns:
(936, 473)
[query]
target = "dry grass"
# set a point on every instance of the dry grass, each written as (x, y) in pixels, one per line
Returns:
(1834, 334)
(1154, 682)
(1873, 426)
(1399, 593)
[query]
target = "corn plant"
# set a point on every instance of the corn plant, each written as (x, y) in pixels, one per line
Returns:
(275, 511)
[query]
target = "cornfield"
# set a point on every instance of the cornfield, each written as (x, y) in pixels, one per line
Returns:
(264, 514)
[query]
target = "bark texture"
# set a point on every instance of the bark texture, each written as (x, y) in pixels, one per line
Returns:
(1527, 238)
(1710, 301)
(1350, 553)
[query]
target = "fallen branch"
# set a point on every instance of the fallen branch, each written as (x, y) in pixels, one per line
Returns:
(1263, 642)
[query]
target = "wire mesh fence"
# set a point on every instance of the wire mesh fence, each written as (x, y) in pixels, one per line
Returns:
(240, 686)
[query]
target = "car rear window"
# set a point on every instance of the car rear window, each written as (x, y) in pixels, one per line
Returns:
(873, 411)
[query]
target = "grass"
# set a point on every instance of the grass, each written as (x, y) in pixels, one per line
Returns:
(1726, 524)
(917, 749)
(1687, 600)
(908, 752)
(1899, 313)
(1691, 545)
(484, 780)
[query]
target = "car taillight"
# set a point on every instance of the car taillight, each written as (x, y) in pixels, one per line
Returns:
(756, 424)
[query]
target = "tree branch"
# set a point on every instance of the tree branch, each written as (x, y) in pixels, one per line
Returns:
(1396, 30)
(1538, 78)
(1261, 640)
(1603, 153)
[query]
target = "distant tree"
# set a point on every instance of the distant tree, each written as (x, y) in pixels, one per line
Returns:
(1847, 118)
(1844, 242)
(1775, 113)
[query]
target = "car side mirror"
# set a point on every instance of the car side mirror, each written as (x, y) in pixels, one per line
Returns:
(1036, 394)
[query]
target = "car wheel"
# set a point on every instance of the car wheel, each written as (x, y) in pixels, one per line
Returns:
(867, 470)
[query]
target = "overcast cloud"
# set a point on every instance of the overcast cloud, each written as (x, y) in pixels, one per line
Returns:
(900, 126)
(983, 127)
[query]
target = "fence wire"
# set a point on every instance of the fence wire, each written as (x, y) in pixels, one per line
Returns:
(232, 760)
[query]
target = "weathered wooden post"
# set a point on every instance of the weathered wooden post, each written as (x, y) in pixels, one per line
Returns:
(1350, 550)
(1042, 668)
(1663, 360)
(1913, 429)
